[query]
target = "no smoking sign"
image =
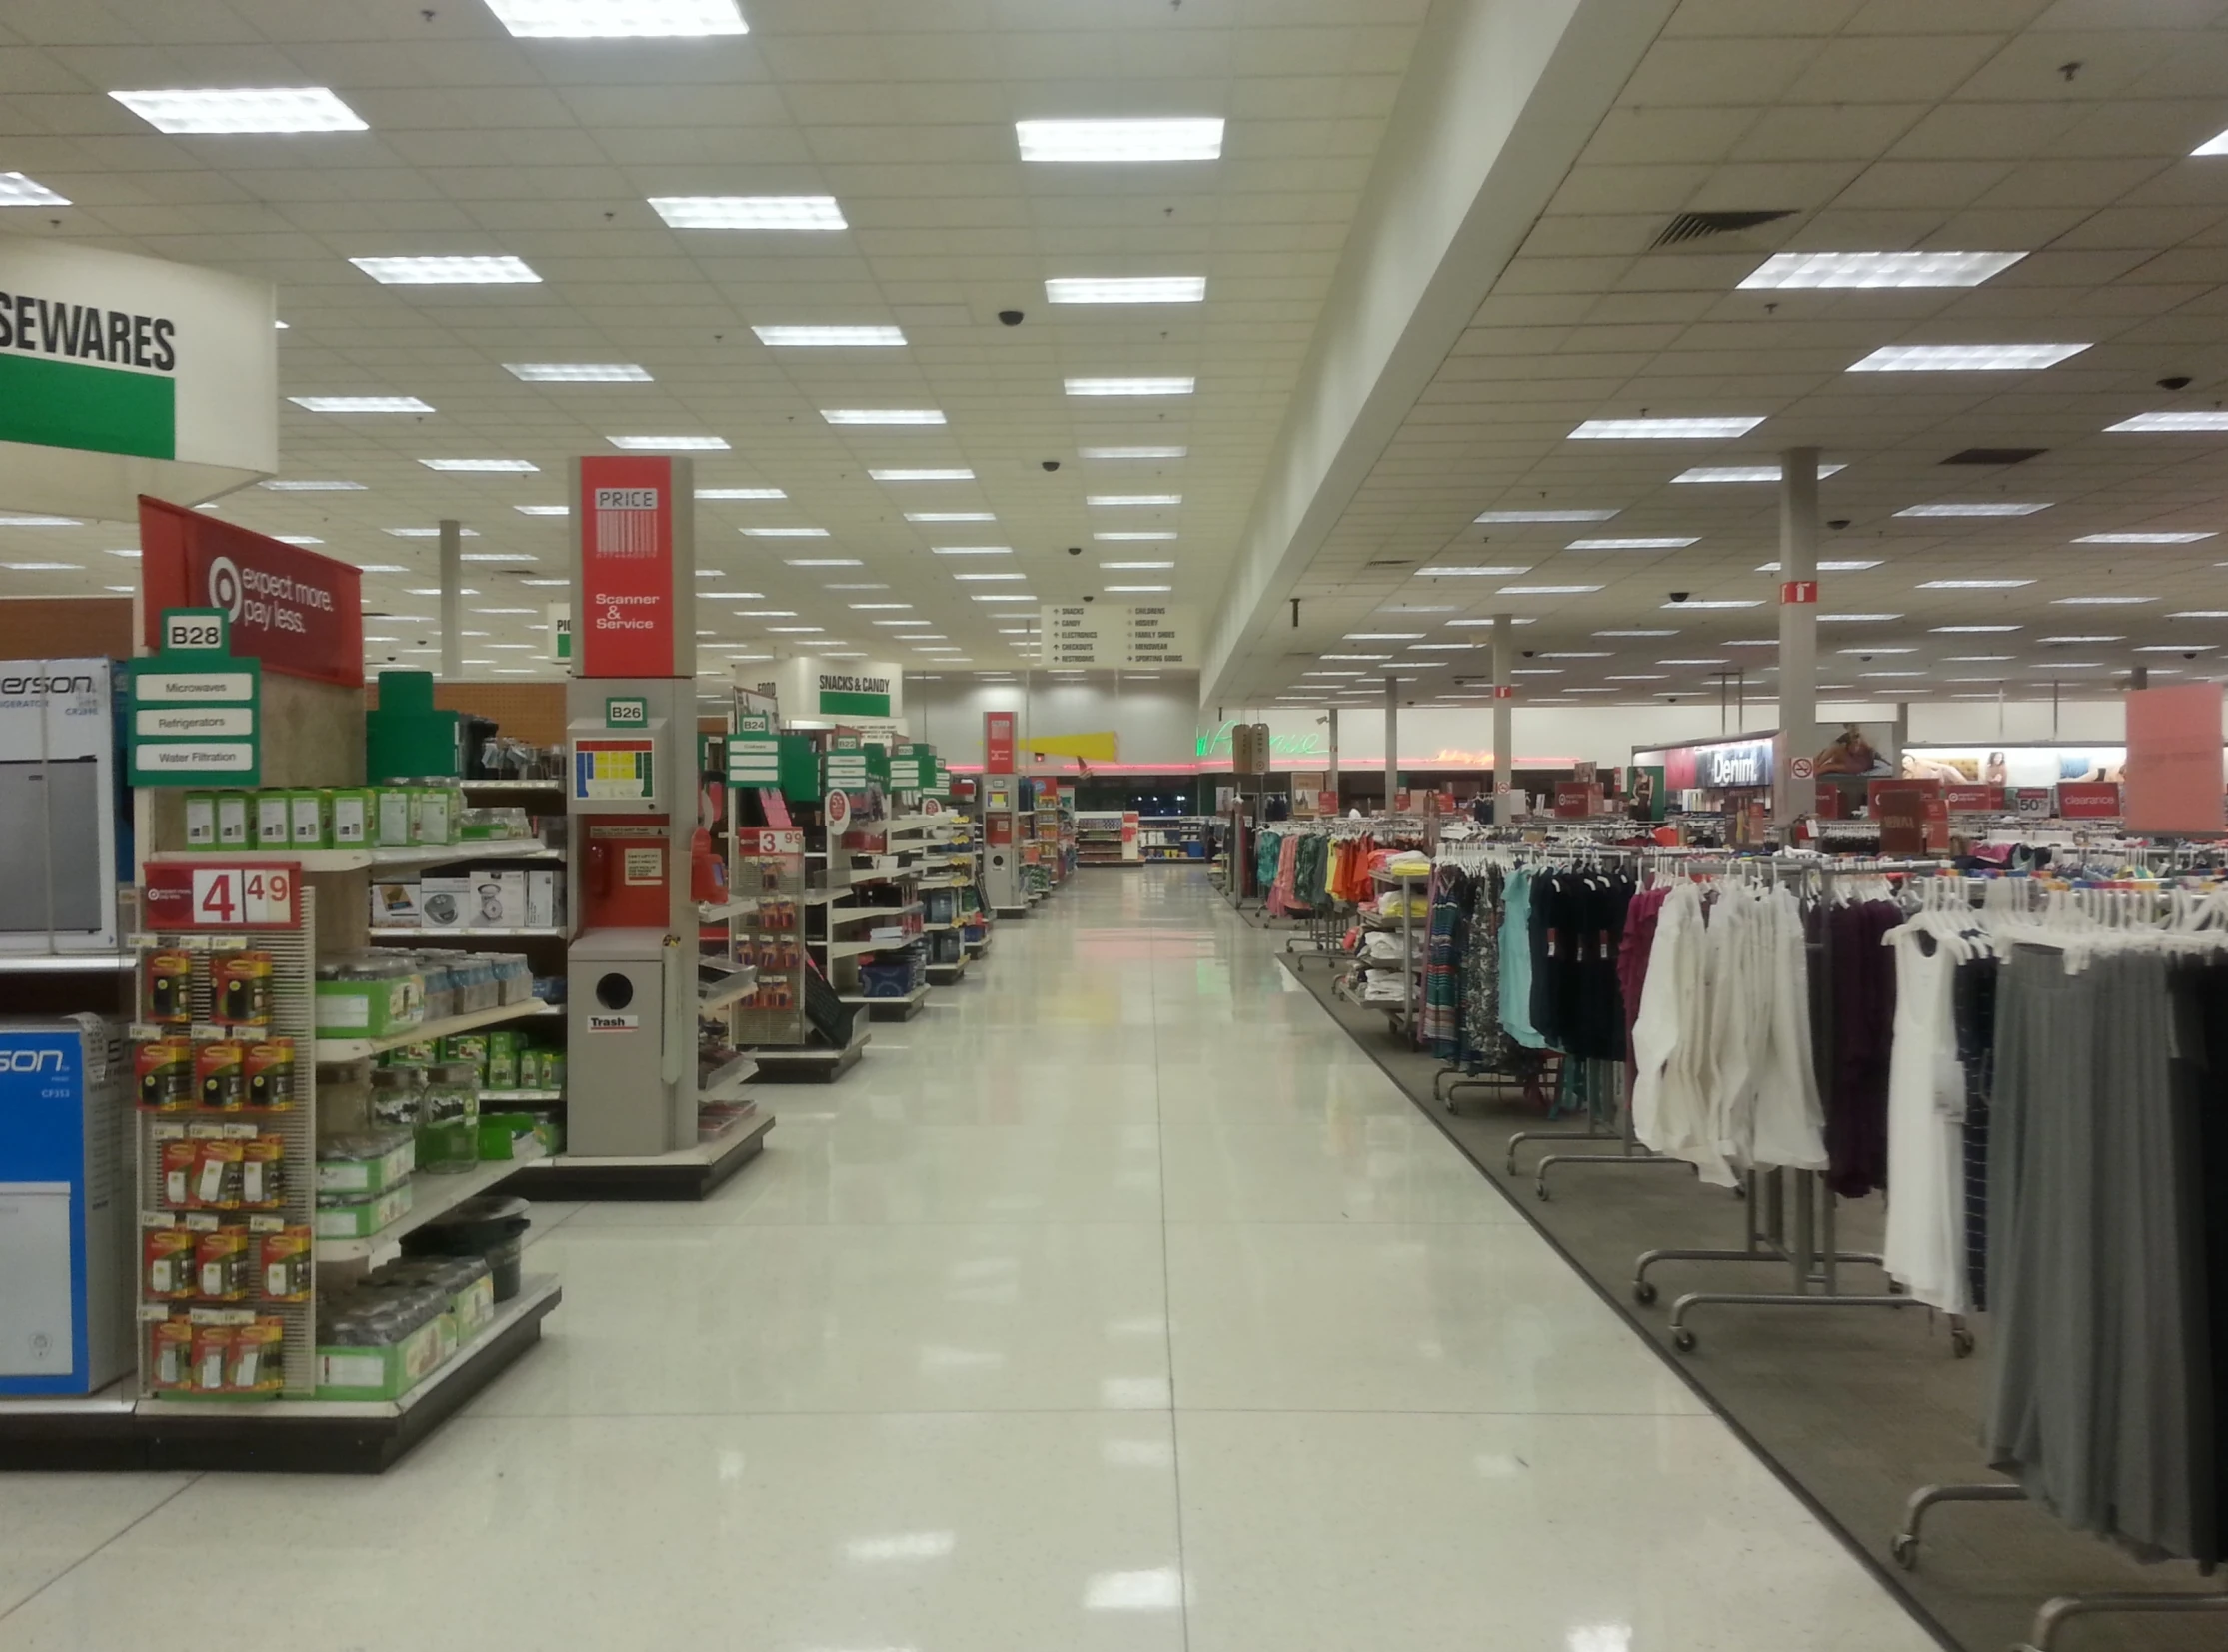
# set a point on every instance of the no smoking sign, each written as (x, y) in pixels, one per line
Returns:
(1803, 768)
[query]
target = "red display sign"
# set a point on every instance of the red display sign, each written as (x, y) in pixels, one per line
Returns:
(626, 624)
(2034, 800)
(1796, 592)
(998, 743)
(2088, 800)
(297, 611)
(1504, 690)
(222, 896)
(2173, 759)
(1577, 800)
(998, 829)
(760, 841)
(1901, 812)
(1973, 800)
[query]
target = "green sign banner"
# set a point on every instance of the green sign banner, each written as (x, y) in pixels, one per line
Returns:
(197, 711)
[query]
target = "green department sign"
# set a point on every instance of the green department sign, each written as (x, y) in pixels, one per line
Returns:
(197, 711)
(845, 695)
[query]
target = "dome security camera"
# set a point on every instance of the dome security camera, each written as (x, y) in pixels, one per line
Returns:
(1011, 318)
(2174, 380)
(1529, 652)
(1838, 523)
(2189, 654)
(1679, 596)
(1050, 463)
(1075, 550)
(1090, 596)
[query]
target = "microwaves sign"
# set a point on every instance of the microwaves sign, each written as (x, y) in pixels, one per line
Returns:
(122, 374)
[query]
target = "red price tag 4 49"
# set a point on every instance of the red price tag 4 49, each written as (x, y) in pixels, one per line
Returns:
(223, 898)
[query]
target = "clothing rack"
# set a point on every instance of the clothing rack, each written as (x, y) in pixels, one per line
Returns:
(1789, 1216)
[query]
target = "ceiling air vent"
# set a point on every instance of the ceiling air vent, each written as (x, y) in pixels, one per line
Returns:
(1693, 226)
(1993, 455)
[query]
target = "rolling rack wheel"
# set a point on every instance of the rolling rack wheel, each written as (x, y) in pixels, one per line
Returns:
(1904, 1550)
(1685, 1340)
(1644, 1292)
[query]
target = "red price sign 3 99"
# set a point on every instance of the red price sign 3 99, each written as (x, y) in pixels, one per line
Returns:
(223, 898)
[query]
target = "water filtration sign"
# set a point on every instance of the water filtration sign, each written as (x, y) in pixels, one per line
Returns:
(122, 374)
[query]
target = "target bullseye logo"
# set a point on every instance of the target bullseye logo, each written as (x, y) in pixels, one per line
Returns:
(224, 588)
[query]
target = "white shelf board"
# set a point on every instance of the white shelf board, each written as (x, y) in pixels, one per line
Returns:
(555, 782)
(852, 915)
(357, 1050)
(740, 985)
(726, 1083)
(914, 997)
(432, 1197)
(66, 963)
(707, 912)
(360, 860)
(850, 949)
(467, 935)
(519, 1097)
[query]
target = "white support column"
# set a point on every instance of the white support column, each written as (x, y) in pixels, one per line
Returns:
(1392, 742)
(1330, 776)
(1504, 714)
(452, 600)
(1793, 794)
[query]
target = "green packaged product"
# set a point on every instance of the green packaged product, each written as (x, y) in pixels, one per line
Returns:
(201, 820)
(392, 811)
(274, 821)
(432, 815)
(310, 818)
(352, 816)
(501, 1066)
(233, 830)
(470, 1049)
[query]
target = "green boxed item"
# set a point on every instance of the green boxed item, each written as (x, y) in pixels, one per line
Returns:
(366, 1176)
(309, 814)
(274, 819)
(406, 738)
(432, 815)
(419, 1054)
(469, 1048)
(235, 819)
(352, 809)
(878, 764)
(360, 1219)
(380, 1373)
(511, 1135)
(500, 1071)
(392, 810)
(201, 820)
(364, 1004)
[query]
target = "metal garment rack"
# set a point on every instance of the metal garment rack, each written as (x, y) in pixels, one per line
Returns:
(1799, 1231)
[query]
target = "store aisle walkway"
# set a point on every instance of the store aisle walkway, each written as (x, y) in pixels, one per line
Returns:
(906, 1385)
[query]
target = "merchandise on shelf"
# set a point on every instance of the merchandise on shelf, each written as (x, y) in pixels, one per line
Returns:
(486, 898)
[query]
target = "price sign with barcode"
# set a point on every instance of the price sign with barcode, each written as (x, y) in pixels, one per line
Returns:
(227, 897)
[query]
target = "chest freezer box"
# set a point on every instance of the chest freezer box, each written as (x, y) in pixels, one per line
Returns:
(65, 1206)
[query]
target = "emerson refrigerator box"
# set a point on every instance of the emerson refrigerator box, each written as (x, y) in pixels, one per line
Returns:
(66, 1210)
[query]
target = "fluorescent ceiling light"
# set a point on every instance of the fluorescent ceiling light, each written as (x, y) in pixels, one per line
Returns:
(296, 539)
(555, 373)
(1666, 543)
(971, 550)
(1382, 636)
(2145, 538)
(1126, 288)
(750, 212)
(617, 19)
(1968, 631)
(2092, 637)
(865, 607)
(397, 567)
(724, 596)
(361, 404)
(1499, 571)
(1688, 429)
(1748, 642)
(1133, 498)
(829, 338)
(505, 465)
(313, 487)
(1358, 657)
(1639, 677)
(1862, 648)
(132, 552)
(1893, 674)
(1709, 662)
(1657, 632)
(244, 109)
(740, 493)
(882, 416)
(1837, 566)
(2217, 144)
(431, 532)
(495, 556)
(950, 474)
(1184, 138)
(1578, 654)
(434, 591)
(1544, 516)
(796, 631)
(990, 576)
(1964, 358)
(2174, 648)
(2099, 602)
(1977, 659)
(39, 522)
(855, 584)
(1002, 596)
(951, 516)
(1718, 601)
(1856, 618)
(669, 444)
(2172, 422)
(43, 567)
(18, 191)
(502, 610)
(498, 271)
(1928, 269)
(1544, 589)
(1972, 584)
(899, 622)
(1140, 587)
(1132, 453)
(2200, 614)
(822, 562)
(1135, 535)
(1167, 385)
(1743, 473)
(543, 510)
(766, 614)
(1997, 509)
(1116, 567)
(785, 532)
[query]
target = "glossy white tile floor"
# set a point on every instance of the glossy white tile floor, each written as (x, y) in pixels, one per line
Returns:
(1116, 1302)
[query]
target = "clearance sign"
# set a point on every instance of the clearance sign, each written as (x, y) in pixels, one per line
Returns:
(122, 374)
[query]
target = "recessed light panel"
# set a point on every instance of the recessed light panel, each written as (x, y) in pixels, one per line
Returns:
(949, 474)
(669, 444)
(740, 493)
(499, 271)
(2172, 422)
(1972, 584)
(361, 404)
(1162, 386)
(1544, 589)
(617, 19)
(1126, 288)
(1964, 358)
(1666, 430)
(1741, 473)
(2144, 539)
(1789, 270)
(750, 212)
(543, 510)
(971, 550)
(1718, 601)
(882, 416)
(280, 487)
(1119, 142)
(586, 372)
(1498, 571)
(509, 466)
(1132, 453)
(244, 109)
(831, 338)
(1544, 516)
(18, 191)
(1133, 498)
(1839, 566)
(1666, 543)
(1133, 535)
(2100, 601)
(1985, 508)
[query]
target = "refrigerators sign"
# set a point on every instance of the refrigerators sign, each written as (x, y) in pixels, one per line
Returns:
(626, 619)
(297, 611)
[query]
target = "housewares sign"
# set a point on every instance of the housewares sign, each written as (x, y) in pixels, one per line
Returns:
(122, 374)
